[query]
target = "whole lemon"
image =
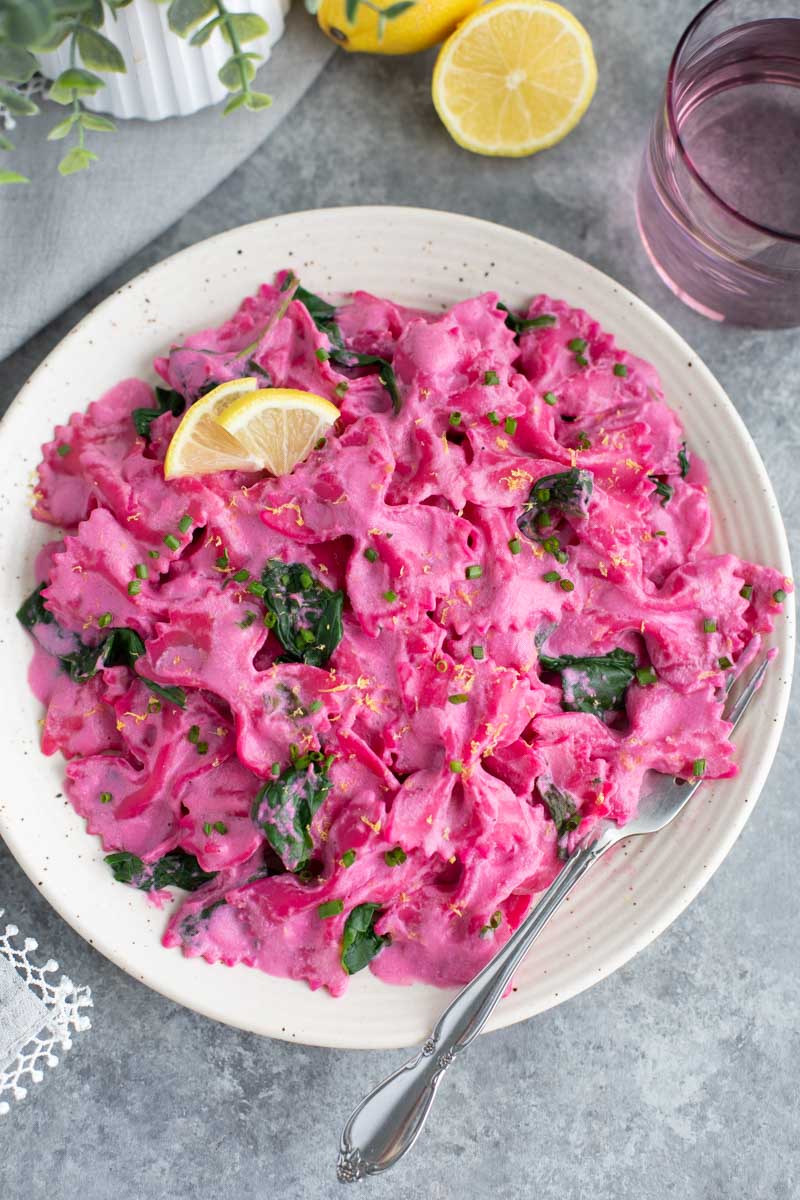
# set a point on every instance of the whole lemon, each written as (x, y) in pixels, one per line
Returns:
(384, 27)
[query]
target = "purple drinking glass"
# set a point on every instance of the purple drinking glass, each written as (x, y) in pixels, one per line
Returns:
(718, 199)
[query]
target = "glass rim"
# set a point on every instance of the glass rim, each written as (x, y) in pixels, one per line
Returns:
(769, 230)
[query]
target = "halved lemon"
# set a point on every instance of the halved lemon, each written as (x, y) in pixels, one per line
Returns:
(199, 445)
(278, 426)
(514, 78)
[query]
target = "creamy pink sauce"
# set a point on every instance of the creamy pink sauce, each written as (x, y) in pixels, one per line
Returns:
(428, 495)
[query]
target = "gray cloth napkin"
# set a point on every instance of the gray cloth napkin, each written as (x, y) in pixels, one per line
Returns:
(59, 237)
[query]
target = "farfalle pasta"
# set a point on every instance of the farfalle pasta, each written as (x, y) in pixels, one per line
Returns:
(362, 712)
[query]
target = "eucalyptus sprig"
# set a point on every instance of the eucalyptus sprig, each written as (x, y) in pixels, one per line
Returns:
(238, 71)
(30, 27)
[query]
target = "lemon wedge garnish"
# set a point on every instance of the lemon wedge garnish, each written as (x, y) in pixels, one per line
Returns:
(200, 445)
(278, 427)
(514, 78)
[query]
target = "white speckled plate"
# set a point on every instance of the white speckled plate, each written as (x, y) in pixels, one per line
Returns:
(428, 259)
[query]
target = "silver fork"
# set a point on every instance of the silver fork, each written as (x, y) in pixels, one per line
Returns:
(389, 1120)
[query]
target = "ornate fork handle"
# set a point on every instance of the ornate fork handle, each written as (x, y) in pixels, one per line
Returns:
(389, 1120)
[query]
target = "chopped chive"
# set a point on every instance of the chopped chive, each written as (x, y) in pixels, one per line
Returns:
(241, 576)
(185, 523)
(491, 378)
(747, 591)
(171, 542)
(543, 319)
(620, 369)
(550, 576)
(106, 797)
(561, 556)
(550, 398)
(315, 706)
(275, 770)
(202, 747)
(223, 562)
(458, 698)
(153, 553)
(581, 360)
(331, 908)
(493, 417)
(390, 596)
(510, 426)
(646, 675)
(543, 520)
(543, 495)
(305, 580)
(134, 587)
(104, 619)
(306, 636)
(660, 533)
(395, 857)
(515, 545)
(576, 345)
(455, 418)
(725, 663)
(477, 652)
(270, 619)
(441, 665)
(698, 767)
(140, 571)
(194, 734)
(551, 545)
(220, 827)
(328, 762)
(63, 451)
(348, 858)
(779, 596)
(207, 828)
(456, 766)
(583, 441)
(322, 355)
(341, 389)
(566, 585)
(370, 554)
(474, 572)
(256, 589)
(247, 620)
(709, 625)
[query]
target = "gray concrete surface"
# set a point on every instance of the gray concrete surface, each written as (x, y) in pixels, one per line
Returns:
(676, 1077)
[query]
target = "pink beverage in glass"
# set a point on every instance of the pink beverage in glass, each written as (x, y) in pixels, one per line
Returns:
(718, 201)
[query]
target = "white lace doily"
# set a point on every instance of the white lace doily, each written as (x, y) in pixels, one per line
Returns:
(36, 1016)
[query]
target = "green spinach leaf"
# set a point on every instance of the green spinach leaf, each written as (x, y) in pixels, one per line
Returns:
(167, 400)
(33, 612)
(360, 942)
(684, 461)
(564, 812)
(662, 488)
(308, 616)
(593, 683)
(284, 808)
(176, 869)
(568, 492)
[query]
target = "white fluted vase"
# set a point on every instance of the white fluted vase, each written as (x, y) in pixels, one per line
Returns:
(166, 77)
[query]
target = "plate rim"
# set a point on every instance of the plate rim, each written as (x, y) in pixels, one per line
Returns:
(503, 1016)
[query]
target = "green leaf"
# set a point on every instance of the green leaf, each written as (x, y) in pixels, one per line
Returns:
(229, 75)
(33, 612)
(246, 27)
(98, 52)
(172, 695)
(54, 37)
(176, 869)
(183, 15)
(662, 488)
(167, 400)
(92, 14)
(6, 143)
(201, 36)
(351, 10)
(397, 10)
(26, 20)
(360, 942)
(285, 807)
(62, 128)
(567, 492)
(17, 104)
(234, 102)
(74, 82)
(97, 123)
(76, 159)
(256, 101)
(564, 811)
(16, 64)
(308, 616)
(13, 177)
(592, 683)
